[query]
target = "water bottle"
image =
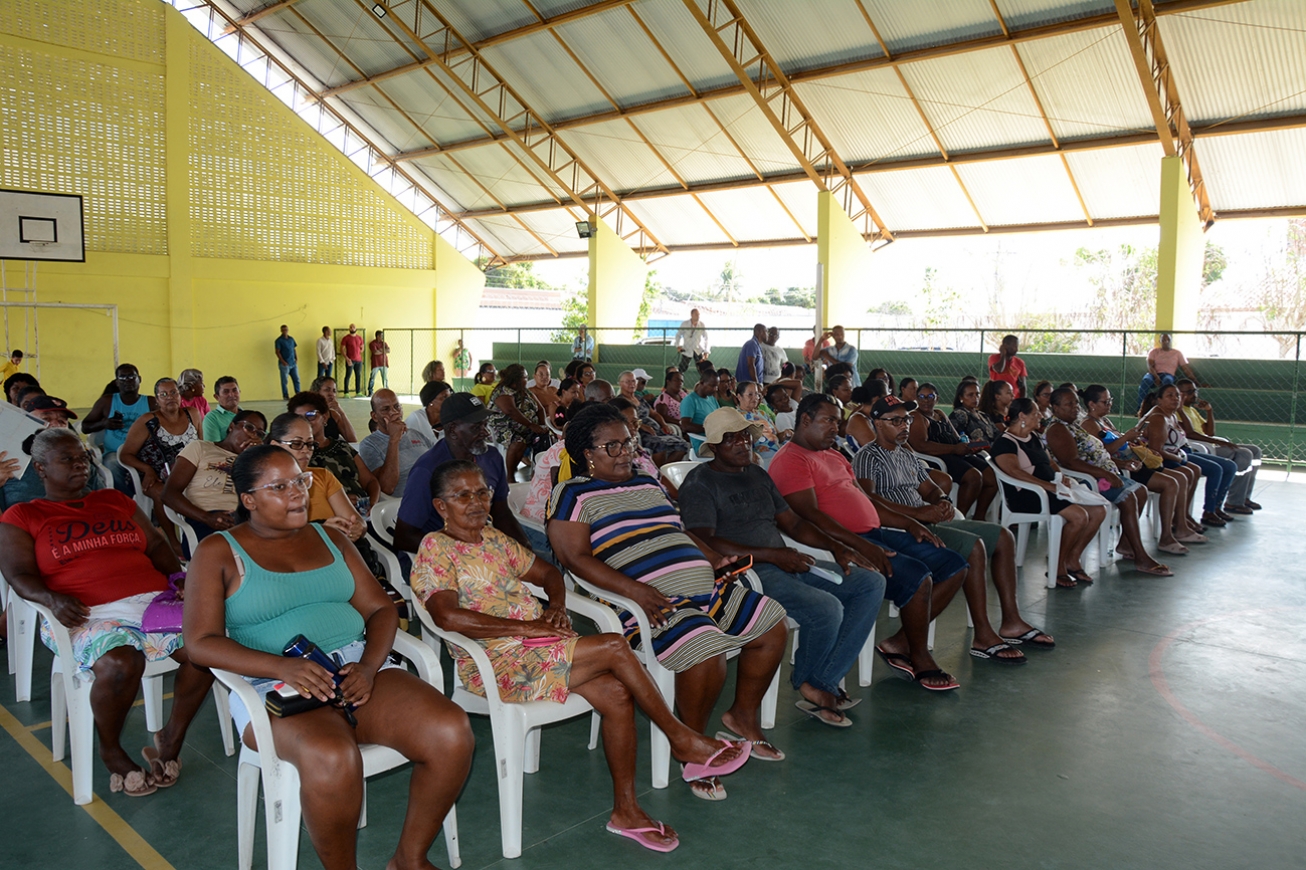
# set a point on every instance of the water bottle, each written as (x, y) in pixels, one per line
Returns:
(965, 439)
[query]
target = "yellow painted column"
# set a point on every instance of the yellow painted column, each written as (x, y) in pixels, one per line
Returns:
(845, 263)
(1181, 253)
(176, 102)
(617, 276)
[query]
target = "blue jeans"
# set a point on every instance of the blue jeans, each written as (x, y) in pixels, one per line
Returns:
(385, 378)
(1220, 474)
(915, 560)
(835, 618)
(1147, 384)
(293, 372)
(324, 370)
(356, 368)
(540, 544)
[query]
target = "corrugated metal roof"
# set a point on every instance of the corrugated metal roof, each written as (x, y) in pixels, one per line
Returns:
(1060, 66)
(1247, 60)
(678, 220)
(496, 169)
(393, 127)
(462, 193)
(547, 79)
(751, 214)
(1024, 14)
(1119, 182)
(694, 144)
(918, 199)
(755, 135)
(828, 32)
(356, 32)
(800, 198)
(1024, 191)
(429, 105)
(619, 156)
(476, 21)
(867, 116)
(309, 51)
(678, 33)
(558, 228)
(921, 23)
(1256, 170)
(509, 234)
(637, 73)
(977, 100)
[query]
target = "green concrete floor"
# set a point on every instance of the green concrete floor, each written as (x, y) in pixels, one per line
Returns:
(1164, 731)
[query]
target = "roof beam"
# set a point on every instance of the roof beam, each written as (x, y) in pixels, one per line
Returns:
(1014, 37)
(257, 14)
(1219, 128)
(780, 104)
(1157, 79)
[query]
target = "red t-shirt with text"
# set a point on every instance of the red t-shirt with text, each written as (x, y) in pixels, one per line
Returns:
(91, 549)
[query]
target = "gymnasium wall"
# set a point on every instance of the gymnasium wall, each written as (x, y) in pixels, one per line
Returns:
(213, 213)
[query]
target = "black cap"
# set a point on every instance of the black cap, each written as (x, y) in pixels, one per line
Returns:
(462, 408)
(885, 404)
(50, 403)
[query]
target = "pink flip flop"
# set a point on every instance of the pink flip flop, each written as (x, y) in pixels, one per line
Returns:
(695, 772)
(637, 834)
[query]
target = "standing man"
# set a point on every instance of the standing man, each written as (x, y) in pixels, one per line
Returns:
(751, 361)
(216, 422)
(1163, 365)
(380, 354)
(691, 340)
(12, 366)
(390, 451)
(326, 353)
(583, 347)
(351, 348)
(287, 361)
(1006, 366)
(840, 352)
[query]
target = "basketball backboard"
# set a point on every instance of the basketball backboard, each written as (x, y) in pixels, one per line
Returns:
(41, 226)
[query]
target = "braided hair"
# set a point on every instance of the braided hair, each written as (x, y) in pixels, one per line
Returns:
(581, 429)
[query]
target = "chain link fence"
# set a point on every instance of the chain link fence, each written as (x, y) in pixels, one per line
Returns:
(1252, 379)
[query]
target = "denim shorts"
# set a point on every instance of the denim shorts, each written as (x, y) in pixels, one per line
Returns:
(1115, 495)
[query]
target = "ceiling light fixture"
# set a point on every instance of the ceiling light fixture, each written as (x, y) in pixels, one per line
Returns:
(585, 229)
(378, 10)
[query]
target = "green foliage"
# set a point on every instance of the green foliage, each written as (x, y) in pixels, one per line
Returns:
(940, 304)
(516, 276)
(731, 283)
(891, 309)
(1281, 294)
(1033, 340)
(575, 314)
(652, 290)
(794, 297)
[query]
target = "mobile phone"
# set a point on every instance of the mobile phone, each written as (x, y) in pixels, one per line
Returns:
(739, 566)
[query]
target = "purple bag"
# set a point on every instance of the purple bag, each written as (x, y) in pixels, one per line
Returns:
(163, 615)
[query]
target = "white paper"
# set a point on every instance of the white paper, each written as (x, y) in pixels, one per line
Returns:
(15, 425)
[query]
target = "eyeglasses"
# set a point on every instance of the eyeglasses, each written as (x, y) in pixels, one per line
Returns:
(252, 429)
(301, 482)
(895, 420)
(310, 416)
(467, 496)
(297, 444)
(930, 396)
(616, 448)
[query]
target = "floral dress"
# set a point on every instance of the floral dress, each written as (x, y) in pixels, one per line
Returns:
(768, 443)
(337, 457)
(505, 429)
(487, 577)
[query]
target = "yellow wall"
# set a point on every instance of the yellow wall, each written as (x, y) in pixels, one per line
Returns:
(1182, 250)
(213, 213)
(617, 276)
(845, 262)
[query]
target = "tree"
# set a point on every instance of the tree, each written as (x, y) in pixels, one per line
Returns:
(516, 276)
(1281, 296)
(794, 297)
(730, 284)
(652, 290)
(941, 304)
(575, 314)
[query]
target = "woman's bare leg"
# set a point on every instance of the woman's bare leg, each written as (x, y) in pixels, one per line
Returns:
(968, 490)
(113, 692)
(189, 690)
(758, 661)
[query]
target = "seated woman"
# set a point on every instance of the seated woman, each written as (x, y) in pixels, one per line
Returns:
(616, 529)
(1074, 448)
(654, 434)
(97, 562)
(994, 400)
(967, 419)
(858, 427)
(767, 442)
(1042, 396)
(840, 388)
(471, 578)
(155, 440)
(667, 402)
(1171, 486)
(328, 503)
(190, 383)
(584, 374)
(931, 433)
(337, 425)
(274, 576)
(335, 454)
(199, 487)
(1166, 436)
(880, 374)
(516, 420)
(780, 402)
(1220, 471)
(1020, 455)
(484, 382)
(907, 389)
(433, 371)
(725, 388)
(542, 388)
(570, 392)
(644, 463)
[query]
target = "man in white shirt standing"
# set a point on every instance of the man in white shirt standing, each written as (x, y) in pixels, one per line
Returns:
(326, 353)
(691, 341)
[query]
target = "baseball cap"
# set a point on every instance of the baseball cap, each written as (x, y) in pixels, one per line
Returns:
(462, 408)
(885, 404)
(50, 403)
(641, 375)
(720, 423)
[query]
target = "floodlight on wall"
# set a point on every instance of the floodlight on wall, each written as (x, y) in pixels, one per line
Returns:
(378, 10)
(585, 229)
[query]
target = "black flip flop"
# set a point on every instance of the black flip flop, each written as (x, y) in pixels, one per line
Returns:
(937, 672)
(814, 710)
(897, 661)
(1031, 637)
(992, 653)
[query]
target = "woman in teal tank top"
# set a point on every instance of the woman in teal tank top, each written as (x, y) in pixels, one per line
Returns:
(253, 589)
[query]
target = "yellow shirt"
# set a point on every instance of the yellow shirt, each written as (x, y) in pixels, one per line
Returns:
(1195, 418)
(482, 392)
(8, 368)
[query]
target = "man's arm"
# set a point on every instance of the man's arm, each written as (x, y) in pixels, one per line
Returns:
(1021, 390)
(1208, 425)
(98, 415)
(1188, 370)
(804, 505)
(1001, 364)
(1151, 368)
(387, 470)
(276, 348)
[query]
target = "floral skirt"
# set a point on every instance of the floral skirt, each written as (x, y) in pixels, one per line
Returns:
(521, 673)
(115, 624)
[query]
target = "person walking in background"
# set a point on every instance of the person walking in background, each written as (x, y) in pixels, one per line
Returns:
(287, 361)
(11, 366)
(583, 347)
(1163, 365)
(351, 348)
(326, 353)
(1006, 366)
(379, 352)
(691, 341)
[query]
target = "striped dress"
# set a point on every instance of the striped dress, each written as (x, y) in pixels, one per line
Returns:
(635, 530)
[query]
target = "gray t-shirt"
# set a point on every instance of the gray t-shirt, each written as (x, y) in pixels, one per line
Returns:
(373, 449)
(741, 507)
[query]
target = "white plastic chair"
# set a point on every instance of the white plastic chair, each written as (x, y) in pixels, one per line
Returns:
(189, 539)
(665, 679)
(382, 520)
(21, 623)
(676, 472)
(938, 464)
(515, 726)
(143, 501)
(281, 780)
(70, 701)
(1109, 531)
(1023, 520)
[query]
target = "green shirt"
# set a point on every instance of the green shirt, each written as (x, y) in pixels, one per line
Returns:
(216, 423)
